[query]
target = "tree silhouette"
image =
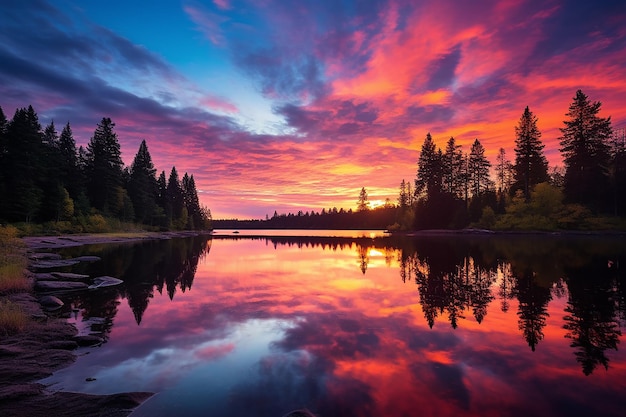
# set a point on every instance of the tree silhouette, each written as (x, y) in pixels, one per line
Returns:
(585, 150)
(531, 166)
(104, 168)
(142, 186)
(478, 168)
(429, 170)
(362, 204)
(452, 167)
(533, 307)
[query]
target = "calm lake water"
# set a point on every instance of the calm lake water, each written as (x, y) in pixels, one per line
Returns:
(438, 326)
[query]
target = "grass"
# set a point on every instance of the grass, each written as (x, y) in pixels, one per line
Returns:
(12, 280)
(12, 262)
(12, 318)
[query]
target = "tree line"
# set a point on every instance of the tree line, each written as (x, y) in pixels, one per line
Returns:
(44, 177)
(453, 189)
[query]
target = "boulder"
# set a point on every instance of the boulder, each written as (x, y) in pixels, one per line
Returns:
(51, 302)
(88, 340)
(44, 256)
(48, 264)
(68, 276)
(104, 281)
(59, 285)
(43, 276)
(86, 258)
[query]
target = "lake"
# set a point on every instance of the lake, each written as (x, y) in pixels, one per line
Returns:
(357, 325)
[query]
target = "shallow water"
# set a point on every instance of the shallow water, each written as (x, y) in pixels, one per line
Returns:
(440, 326)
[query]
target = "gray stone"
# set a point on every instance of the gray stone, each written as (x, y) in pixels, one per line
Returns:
(87, 258)
(50, 301)
(88, 340)
(68, 276)
(53, 263)
(59, 285)
(105, 281)
(44, 256)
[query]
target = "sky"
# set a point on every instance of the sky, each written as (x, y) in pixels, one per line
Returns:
(297, 105)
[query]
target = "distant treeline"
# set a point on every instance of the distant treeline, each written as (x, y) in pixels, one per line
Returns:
(454, 189)
(378, 218)
(45, 178)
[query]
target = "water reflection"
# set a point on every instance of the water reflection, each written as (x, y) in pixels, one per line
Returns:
(361, 326)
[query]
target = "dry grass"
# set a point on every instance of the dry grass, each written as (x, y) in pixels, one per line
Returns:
(13, 262)
(12, 318)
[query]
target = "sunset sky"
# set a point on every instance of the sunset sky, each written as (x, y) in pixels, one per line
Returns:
(296, 105)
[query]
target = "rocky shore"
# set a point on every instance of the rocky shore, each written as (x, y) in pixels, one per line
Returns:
(48, 344)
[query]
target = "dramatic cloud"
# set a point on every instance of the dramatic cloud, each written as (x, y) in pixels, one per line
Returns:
(274, 106)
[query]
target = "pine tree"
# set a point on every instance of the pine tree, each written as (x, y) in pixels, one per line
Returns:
(194, 211)
(504, 173)
(452, 165)
(3, 155)
(478, 168)
(429, 169)
(104, 167)
(22, 167)
(403, 198)
(617, 171)
(585, 150)
(142, 185)
(362, 204)
(53, 189)
(175, 200)
(68, 168)
(531, 166)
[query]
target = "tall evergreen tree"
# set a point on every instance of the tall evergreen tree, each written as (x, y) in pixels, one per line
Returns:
(22, 167)
(190, 193)
(504, 172)
(68, 166)
(585, 150)
(3, 154)
(531, 166)
(142, 186)
(403, 198)
(104, 167)
(429, 169)
(175, 199)
(452, 166)
(478, 168)
(362, 203)
(617, 171)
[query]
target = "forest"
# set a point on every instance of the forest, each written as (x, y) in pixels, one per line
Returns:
(46, 180)
(454, 190)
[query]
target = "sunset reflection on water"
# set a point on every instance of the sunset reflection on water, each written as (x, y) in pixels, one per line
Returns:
(361, 328)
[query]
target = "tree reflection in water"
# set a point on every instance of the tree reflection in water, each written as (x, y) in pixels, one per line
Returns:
(456, 278)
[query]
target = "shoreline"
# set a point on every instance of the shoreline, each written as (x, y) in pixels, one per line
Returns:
(48, 344)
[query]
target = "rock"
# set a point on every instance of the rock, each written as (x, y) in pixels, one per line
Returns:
(105, 281)
(59, 263)
(59, 285)
(43, 276)
(44, 256)
(68, 276)
(88, 340)
(51, 302)
(62, 344)
(87, 258)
